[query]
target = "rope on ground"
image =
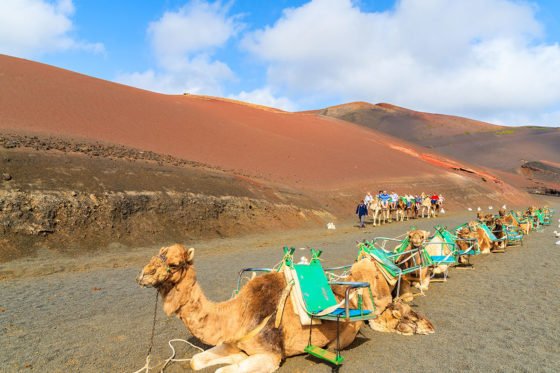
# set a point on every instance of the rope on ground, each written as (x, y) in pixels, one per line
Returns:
(172, 357)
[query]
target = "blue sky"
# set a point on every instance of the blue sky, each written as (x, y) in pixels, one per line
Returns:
(494, 60)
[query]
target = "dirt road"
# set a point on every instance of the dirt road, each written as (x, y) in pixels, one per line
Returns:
(502, 316)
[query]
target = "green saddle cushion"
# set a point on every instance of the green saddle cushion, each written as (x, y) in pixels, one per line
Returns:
(385, 260)
(490, 234)
(315, 289)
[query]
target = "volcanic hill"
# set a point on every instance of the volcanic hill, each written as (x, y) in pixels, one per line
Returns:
(502, 148)
(87, 163)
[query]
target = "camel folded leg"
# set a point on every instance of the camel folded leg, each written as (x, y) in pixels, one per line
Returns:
(221, 354)
(258, 363)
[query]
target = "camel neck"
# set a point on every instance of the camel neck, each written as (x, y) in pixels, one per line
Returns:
(200, 315)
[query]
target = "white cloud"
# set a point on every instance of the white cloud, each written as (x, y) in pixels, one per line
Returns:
(265, 97)
(480, 58)
(183, 43)
(34, 27)
(196, 76)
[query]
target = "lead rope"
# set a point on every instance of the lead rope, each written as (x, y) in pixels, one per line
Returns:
(146, 367)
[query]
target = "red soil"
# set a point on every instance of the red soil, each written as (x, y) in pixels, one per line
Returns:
(290, 148)
(302, 150)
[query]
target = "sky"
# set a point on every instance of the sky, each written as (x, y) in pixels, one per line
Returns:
(492, 60)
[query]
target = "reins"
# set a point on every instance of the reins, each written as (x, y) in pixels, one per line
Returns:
(146, 367)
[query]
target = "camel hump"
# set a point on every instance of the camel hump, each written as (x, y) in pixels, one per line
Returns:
(262, 295)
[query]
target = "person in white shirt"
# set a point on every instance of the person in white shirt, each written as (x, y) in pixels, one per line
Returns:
(394, 200)
(368, 198)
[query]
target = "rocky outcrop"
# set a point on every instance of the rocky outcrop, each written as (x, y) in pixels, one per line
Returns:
(71, 219)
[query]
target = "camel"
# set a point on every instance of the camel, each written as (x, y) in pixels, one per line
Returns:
(243, 329)
(411, 257)
(465, 238)
(525, 226)
(499, 230)
(484, 242)
(379, 212)
(497, 226)
(411, 208)
(393, 315)
(426, 205)
(421, 278)
(374, 207)
(401, 212)
(233, 326)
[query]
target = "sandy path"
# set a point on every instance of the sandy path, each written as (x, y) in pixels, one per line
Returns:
(500, 317)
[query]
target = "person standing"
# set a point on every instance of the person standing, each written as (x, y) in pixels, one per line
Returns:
(362, 212)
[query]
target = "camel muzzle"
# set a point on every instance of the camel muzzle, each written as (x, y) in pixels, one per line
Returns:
(141, 280)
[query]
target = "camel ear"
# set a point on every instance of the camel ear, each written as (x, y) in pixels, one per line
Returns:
(396, 314)
(189, 255)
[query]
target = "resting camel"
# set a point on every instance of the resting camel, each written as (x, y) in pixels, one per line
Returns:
(511, 221)
(499, 230)
(484, 242)
(421, 278)
(525, 224)
(497, 227)
(465, 241)
(392, 316)
(242, 329)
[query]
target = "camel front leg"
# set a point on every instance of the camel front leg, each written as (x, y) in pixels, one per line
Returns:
(221, 354)
(258, 363)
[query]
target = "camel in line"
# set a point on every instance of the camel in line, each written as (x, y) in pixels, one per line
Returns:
(467, 239)
(243, 329)
(393, 317)
(426, 206)
(379, 213)
(525, 226)
(484, 243)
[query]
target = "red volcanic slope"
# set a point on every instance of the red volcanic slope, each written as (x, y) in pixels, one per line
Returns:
(296, 149)
(285, 147)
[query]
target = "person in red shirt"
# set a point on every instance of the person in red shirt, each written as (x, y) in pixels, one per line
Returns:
(434, 199)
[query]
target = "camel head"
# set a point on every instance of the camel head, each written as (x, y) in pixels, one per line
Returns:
(502, 212)
(167, 267)
(418, 237)
(400, 318)
(489, 219)
(473, 226)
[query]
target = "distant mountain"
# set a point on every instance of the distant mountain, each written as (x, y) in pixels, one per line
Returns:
(502, 148)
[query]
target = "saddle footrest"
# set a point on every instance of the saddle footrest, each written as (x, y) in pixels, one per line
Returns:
(323, 354)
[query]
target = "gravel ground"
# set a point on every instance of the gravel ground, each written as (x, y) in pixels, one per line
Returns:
(502, 316)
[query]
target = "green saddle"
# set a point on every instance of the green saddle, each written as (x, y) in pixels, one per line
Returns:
(318, 296)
